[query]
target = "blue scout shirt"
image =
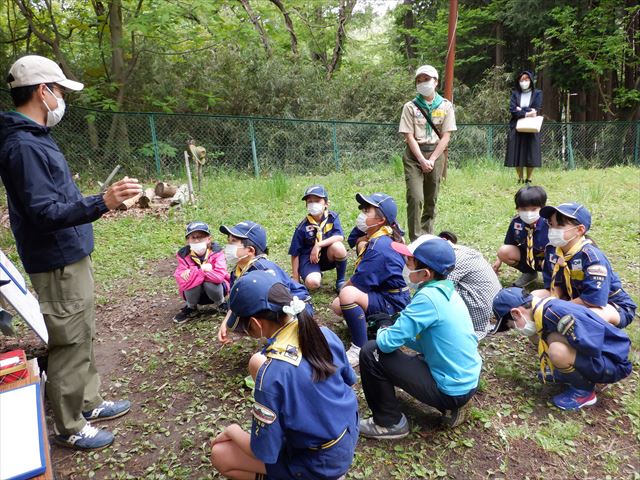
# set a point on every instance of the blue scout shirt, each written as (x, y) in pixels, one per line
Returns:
(355, 234)
(380, 270)
(602, 350)
(293, 411)
(263, 263)
(517, 235)
(304, 237)
(592, 278)
(437, 324)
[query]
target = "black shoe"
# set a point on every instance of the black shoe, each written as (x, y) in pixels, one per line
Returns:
(527, 181)
(184, 315)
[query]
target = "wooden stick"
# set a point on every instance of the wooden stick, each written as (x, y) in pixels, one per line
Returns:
(130, 202)
(188, 168)
(106, 183)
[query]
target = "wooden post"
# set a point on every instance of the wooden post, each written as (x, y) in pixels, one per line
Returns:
(451, 56)
(189, 181)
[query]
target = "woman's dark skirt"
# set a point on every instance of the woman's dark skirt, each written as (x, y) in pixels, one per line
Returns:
(523, 149)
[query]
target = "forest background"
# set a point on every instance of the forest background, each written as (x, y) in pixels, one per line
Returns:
(332, 59)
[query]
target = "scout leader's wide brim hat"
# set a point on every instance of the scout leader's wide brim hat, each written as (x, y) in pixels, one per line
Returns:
(250, 295)
(572, 210)
(504, 301)
(317, 190)
(34, 70)
(197, 227)
(250, 230)
(436, 253)
(384, 202)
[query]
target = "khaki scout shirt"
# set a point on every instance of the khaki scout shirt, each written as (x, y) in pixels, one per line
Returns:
(412, 121)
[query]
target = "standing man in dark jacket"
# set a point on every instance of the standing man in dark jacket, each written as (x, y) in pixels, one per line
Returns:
(51, 222)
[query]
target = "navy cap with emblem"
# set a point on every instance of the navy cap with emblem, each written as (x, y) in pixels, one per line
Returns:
(572, 210)
(436, 253)
(250, 295)
(317, 190)
(250, 230)
(197, 227)
(384, 202)
(505, 300)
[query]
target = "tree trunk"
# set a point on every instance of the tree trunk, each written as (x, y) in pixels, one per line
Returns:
(409, 24)
(550, 98)
(289, 25)
(499, 45)
(257, 25)
(344, 14)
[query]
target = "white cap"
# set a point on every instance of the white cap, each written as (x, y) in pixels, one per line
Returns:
(427, 70)
(421, 239)
(34, 70)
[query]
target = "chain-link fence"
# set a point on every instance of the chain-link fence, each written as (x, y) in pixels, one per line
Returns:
(152, 144)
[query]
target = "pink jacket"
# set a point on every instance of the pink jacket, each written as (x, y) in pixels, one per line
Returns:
(218, 273)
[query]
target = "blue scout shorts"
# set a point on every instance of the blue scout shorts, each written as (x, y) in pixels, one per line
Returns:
(601, 369)
(305, 267)
(386, 302)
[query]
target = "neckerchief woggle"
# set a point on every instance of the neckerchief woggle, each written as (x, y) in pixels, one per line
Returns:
(563, 263)
(322, 227)
(428, 107)
(385, 230)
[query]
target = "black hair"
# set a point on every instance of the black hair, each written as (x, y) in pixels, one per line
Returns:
(313, 344)
(248, 243)
(396, 234)
(22, 95)
(436, 275)
(530, 196)
(452, 237)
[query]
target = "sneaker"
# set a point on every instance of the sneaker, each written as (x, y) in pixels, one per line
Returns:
(89, 438)
(339, 285)
(525, 279)
(184, 315)
(353, 355)
(574, 399)
(108, 411)
(369, 429)
(453, 418)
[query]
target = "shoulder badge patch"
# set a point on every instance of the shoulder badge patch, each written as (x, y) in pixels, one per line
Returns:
(263, 414)
(597, 270)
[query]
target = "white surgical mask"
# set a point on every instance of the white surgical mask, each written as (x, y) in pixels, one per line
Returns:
(405, 274)
(315, 208)
(361, 222)
(525, 85)
(231, 254)
(529, 217)
(426, 89)
(54, 116)
(199, 248)
(556, 236)
(528, 329)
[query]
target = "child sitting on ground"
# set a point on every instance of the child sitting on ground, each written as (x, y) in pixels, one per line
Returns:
(575, 346)
(316, 245)
(201, 273)
(526, 237)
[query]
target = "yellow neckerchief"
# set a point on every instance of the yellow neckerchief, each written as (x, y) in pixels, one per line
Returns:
(284, 344)
(322, 227)
(543, 346)
(563, 262)
(530, 229)
(385, 230)
(242, 270)
(196, 258)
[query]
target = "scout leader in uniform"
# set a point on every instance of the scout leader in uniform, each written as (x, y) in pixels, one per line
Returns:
(423, 158)
(305, 416)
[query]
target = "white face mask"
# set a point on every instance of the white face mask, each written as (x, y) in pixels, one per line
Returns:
(556, 236)
(524, 86)
(199, 248)
(528, 216)
(361, 222)
(315, 208)
(54, 116)
(405, 274)
(528, 329)
(231, 254)
(426, 89)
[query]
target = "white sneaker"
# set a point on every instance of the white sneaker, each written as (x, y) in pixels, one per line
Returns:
(353, 355)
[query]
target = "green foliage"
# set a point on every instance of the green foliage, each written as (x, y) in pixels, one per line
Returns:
(164, 150)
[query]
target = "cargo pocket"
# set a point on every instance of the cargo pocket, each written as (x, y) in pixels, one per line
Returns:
(66, 321)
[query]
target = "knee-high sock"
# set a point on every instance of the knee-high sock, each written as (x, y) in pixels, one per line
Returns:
(356, 321)
(341, 269)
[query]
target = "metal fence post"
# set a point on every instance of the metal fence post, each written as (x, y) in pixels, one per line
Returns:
(254, 151)
(572, 163)
(336, 151)
(636, 148)
(154, 142)
(490, 142)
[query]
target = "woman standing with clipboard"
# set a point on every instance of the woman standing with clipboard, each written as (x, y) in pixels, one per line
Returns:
(523, 149)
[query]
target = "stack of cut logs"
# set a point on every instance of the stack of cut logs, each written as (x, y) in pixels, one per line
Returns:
(163, 192)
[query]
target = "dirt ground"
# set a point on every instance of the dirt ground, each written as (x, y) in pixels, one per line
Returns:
(185, 388)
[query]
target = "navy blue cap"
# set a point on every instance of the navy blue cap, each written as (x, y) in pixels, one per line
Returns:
(197, 227)
(317, 190)
(250, 230)
(436, 253)
(384, 202)
(250, 295)
(505, 300)
(572, 210)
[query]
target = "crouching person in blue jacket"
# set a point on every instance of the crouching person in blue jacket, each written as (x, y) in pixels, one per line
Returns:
(575, 345)
(436, 324)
